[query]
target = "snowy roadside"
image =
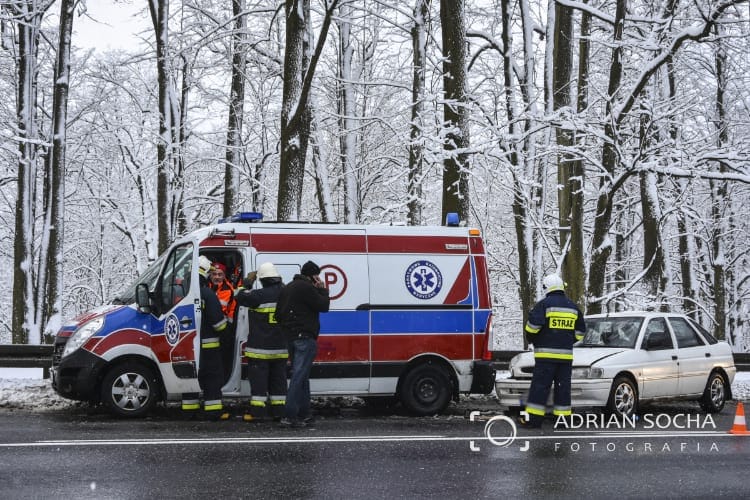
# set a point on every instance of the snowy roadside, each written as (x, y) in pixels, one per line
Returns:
(37, 394)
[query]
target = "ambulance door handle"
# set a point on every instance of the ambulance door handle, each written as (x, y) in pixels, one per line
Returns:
(185, 321)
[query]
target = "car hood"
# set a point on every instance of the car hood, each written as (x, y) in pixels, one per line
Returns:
(587, 356)
(582, 356)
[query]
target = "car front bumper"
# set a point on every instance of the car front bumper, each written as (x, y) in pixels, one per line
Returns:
(512, 392)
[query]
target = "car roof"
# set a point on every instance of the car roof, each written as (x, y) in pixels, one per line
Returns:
(631, 314)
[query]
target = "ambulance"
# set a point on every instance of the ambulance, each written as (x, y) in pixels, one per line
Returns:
(410, 316)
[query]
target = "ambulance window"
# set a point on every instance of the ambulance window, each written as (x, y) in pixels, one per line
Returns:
(175, 281)
(148, 277)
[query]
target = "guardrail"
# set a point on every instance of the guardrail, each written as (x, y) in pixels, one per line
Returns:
(40, 356)
(26, 356)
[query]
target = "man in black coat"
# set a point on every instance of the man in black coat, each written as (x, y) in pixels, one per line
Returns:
(298, 310)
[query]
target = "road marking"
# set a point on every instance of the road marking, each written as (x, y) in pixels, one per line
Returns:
(352, 439)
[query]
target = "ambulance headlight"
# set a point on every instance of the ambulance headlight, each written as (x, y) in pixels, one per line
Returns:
(85, 332)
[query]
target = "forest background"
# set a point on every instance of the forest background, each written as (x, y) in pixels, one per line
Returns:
(603, 139)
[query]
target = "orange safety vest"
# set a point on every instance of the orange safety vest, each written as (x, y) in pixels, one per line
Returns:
(225, 293)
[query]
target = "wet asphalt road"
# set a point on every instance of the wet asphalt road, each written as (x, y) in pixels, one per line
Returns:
(357, 452)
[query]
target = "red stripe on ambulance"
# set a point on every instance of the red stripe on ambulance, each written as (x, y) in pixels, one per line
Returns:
(394, 347)
(418, 244)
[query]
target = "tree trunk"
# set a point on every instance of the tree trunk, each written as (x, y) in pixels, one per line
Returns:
(573, 266)
(347, 108)
(720, 201)
(416, 144)
(179, 116)
(295, 117)
(455, 110)
(160, 18)
(24, 327)
(569, 171)
(55, 183)
(601, 246)
(233, 157)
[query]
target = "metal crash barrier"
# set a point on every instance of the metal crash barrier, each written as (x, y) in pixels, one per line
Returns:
(40, 356)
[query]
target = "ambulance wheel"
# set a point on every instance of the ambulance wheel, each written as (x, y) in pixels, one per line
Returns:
(129, 389)
(425, 390)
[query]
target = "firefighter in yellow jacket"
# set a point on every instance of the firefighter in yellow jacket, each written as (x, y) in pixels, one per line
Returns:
(210, 371)
(266, 347)
(554, 325)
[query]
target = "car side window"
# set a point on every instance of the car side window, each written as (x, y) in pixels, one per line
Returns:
(702, 331)
(658, 325)
(686, 336)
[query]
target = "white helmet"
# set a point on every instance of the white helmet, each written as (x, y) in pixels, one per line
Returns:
(553, 282)
(267, 270)
(204, 266)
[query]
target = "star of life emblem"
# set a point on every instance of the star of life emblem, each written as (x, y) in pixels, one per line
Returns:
(172, 329)
(423, 279)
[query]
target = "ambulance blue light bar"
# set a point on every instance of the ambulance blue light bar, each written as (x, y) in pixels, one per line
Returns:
(451, 219)
(243, 217)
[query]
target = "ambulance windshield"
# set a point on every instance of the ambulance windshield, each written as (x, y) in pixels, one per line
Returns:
(148, 277)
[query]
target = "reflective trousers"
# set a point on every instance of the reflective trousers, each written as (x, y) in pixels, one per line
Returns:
(267, 385)
(545, 374)
(211, 378)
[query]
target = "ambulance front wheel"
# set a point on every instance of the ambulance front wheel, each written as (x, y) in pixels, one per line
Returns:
(129, 389)
(425, 390)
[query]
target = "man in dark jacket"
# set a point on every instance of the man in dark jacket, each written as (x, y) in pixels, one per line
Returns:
(554, 325)
(266, 347)
(298, 309)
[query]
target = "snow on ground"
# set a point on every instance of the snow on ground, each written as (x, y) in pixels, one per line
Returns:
(27, 390)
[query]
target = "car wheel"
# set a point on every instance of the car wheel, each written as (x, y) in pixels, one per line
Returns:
(715, 394)
(623, 398)
(129, 389)
(425, 390)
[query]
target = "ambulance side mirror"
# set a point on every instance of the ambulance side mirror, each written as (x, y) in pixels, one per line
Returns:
(142, 298)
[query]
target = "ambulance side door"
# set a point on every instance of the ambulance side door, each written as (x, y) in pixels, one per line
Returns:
(175, 330)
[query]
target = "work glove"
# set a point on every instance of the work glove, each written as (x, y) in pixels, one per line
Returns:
(250, 278)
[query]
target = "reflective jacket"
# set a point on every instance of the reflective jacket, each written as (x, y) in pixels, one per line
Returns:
(225, 293)
(213, 321)
(554, 325)
(266, 340)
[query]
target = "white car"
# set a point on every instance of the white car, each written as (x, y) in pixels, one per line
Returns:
(630, 357)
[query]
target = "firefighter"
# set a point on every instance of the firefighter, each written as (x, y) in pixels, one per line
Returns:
(210, 373)
(266, 347)
(224, 289)
(554, 325)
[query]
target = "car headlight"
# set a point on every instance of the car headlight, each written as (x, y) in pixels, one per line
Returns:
(512, 364)
(85, 332)
(587, 372)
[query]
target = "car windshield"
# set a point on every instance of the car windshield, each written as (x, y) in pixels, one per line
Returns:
(612, 331)
(148, 277)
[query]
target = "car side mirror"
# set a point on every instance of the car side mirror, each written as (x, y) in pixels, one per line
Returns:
(143, 298)
(658, 340)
